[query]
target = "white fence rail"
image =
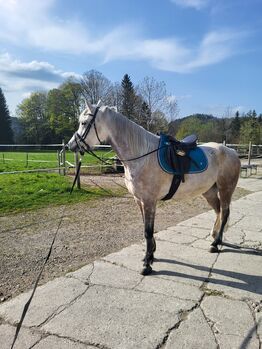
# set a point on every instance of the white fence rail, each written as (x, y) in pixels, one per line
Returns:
(25, 156)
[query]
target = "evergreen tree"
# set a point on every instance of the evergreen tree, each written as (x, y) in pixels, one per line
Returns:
(235, 128)
(6, 132)
(128, 98)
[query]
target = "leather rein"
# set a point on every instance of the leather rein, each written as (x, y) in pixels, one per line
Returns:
(84, 147)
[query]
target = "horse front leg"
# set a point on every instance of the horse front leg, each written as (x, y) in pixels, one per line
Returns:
(149, 219)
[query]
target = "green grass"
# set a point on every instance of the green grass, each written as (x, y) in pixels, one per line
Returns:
(19, 161)
(23, 192)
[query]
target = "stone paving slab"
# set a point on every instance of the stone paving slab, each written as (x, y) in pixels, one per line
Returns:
(232, 322)
(194, 332)
(192, 300)
(49, 299)
(51, 342)
(26, 339)
(118, 318)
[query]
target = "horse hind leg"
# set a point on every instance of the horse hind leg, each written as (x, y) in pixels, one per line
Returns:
(212, 198)
(225, 189)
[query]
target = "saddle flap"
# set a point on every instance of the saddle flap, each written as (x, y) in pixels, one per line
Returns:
(194, 161)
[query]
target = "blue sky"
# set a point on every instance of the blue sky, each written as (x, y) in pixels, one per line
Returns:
(208, 52)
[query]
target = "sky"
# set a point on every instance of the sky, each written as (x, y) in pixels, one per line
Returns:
(208, 52)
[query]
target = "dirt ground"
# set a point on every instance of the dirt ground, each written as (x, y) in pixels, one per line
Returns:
(88, 231)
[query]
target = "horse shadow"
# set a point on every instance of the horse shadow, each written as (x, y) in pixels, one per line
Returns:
(238, 280)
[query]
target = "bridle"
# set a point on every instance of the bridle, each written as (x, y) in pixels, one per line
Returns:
(80, 140)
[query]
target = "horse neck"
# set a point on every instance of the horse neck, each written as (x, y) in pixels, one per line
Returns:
(128, 139)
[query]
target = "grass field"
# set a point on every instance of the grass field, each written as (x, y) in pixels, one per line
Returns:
(19, 161)
(27, 191)
(23, 192)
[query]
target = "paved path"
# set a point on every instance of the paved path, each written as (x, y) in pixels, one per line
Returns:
(193, 299)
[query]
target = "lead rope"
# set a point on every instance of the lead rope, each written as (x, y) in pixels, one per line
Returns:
(26, 306)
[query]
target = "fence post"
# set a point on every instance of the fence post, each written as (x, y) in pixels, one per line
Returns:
(63, 157)
(26, 160)
(76, 167)
(249, 153)
(58, 160)
(3, 158)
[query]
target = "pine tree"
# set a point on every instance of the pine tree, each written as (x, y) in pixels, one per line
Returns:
(6, 132)
(128, 98)
(235, 128)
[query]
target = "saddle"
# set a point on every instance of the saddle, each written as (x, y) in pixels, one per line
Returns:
(179, 158)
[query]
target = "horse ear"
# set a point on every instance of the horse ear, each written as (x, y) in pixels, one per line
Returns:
(88, 105)
(99, 103)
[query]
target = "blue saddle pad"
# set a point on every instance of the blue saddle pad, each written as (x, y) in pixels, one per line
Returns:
(196, 154)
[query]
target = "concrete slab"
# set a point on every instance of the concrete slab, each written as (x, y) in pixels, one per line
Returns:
(26, 339)
(176, 262)
(48, 299)
(235, 235)
(253, 183)
(52, 342)
(113, 275)
(196, 232)
(175, 236)
(170, 288)
(237, 273)
(82, 274)
(202, 244)
(118, 318)
(193, 333)
(204, 221)
(251, 224)
(193, 299)
(108, 274)
(233, 323)
(259, 324)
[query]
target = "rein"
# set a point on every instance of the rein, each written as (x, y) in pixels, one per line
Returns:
(84, 147)
(26, 306)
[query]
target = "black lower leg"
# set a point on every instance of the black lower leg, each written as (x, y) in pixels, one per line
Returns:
(150, 247)
(218, 240)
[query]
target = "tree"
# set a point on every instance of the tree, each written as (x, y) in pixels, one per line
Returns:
(235, 129)
(250, 131)
(155, 95)
(33, 115)
(128, 98)
(204, 126)
(6, 132)
(64, 105)
(96, 86)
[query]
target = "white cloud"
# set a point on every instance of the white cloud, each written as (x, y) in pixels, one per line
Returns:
(31, 23)
(197, 4)
(18, 79)
(17, 75)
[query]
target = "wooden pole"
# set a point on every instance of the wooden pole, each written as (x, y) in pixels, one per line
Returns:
(76, 167)
(63, 157)
(58, 160)
(249, 153)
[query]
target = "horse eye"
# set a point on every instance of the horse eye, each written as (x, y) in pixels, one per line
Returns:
(84, 123)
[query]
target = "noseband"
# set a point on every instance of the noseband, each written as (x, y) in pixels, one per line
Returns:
(80, 140)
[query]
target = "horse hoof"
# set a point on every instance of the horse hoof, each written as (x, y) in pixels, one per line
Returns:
(213, 249)
(146, 270)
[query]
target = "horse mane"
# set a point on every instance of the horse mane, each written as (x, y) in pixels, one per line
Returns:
(139, 140)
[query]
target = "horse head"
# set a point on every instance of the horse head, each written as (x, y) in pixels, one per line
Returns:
(87, 134)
